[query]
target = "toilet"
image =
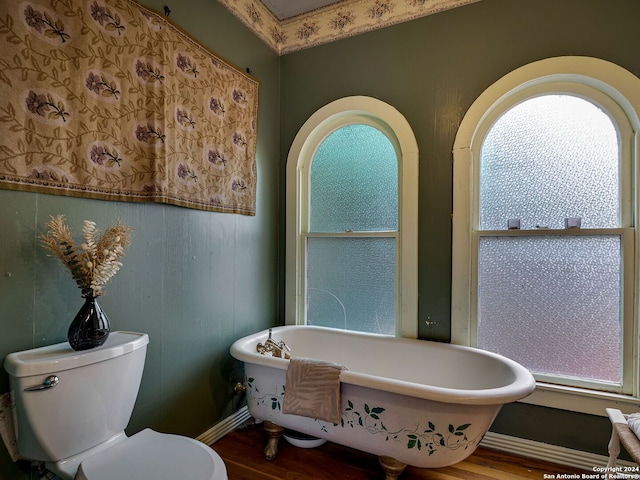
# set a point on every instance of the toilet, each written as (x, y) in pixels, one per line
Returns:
(71, 407)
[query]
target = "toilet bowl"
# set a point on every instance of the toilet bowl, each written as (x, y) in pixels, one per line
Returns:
(70, 410)
(149, 455)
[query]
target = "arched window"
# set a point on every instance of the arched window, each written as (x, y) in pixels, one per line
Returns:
(352, 220)
(544, 247)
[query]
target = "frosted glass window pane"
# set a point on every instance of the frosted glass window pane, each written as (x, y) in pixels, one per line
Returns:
(549, 158)
(351, 283)
(552, 303)
(354, 182)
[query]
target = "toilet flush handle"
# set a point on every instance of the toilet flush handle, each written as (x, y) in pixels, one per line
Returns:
(49, 382)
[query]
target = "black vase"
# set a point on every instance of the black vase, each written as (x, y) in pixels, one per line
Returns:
(90, 328)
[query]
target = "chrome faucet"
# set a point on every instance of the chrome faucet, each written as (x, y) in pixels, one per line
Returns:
(273, 348)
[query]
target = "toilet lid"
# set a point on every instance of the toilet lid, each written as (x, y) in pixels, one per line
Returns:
(150, 455)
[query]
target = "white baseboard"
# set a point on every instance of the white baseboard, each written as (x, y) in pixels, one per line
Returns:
(547, 452)
(224, 427)
(495, 441)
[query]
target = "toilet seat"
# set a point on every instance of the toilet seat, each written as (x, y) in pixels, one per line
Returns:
(149, 455)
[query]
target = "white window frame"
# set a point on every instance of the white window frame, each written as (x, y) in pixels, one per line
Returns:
(618, 92)
(341, 112)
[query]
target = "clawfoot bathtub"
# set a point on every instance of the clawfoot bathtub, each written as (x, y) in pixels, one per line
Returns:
(411, 402)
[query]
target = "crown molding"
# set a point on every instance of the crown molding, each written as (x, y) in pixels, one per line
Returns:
(331, 23)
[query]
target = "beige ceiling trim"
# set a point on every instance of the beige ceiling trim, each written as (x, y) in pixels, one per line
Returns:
(333, 22)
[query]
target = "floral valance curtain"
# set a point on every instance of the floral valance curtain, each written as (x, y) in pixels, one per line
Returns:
(106, 99)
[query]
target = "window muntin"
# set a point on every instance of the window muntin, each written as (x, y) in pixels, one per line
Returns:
(549, 300)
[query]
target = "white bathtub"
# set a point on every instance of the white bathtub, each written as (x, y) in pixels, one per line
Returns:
(422, 403)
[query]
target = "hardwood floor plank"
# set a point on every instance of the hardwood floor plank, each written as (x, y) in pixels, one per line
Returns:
(242, 452)
(469, 470)
(507, 471)
(237, 471)
(511, 466)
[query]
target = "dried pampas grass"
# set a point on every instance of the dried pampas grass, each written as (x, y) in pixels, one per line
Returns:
(95, 260)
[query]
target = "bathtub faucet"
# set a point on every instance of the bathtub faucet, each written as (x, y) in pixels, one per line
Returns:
(273, 348)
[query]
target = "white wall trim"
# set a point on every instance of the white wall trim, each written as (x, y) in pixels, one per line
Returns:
(549, 453)
(340, 112)
(612, 83)
(224, 427)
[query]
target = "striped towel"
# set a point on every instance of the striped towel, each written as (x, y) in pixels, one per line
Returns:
(313, 389)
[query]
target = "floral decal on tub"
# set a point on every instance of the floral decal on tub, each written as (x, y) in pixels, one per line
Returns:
(275, 399)
(430, 439)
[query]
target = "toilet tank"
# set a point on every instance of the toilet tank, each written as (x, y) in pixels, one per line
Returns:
(91, 401)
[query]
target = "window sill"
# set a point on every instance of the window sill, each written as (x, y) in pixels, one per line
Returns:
(581, 400)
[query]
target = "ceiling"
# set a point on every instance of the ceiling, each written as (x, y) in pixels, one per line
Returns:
(283, 9)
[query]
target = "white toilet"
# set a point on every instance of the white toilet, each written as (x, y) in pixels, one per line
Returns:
(71, 408)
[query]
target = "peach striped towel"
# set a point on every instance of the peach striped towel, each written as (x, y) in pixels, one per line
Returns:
(312, 389)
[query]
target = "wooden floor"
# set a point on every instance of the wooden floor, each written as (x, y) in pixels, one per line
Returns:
(242, 453)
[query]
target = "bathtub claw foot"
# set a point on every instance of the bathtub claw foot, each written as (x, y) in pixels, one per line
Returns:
(275, 432)
(392, 467)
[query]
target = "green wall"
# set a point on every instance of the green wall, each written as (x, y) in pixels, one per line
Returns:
(432, 69)
(194, 281)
